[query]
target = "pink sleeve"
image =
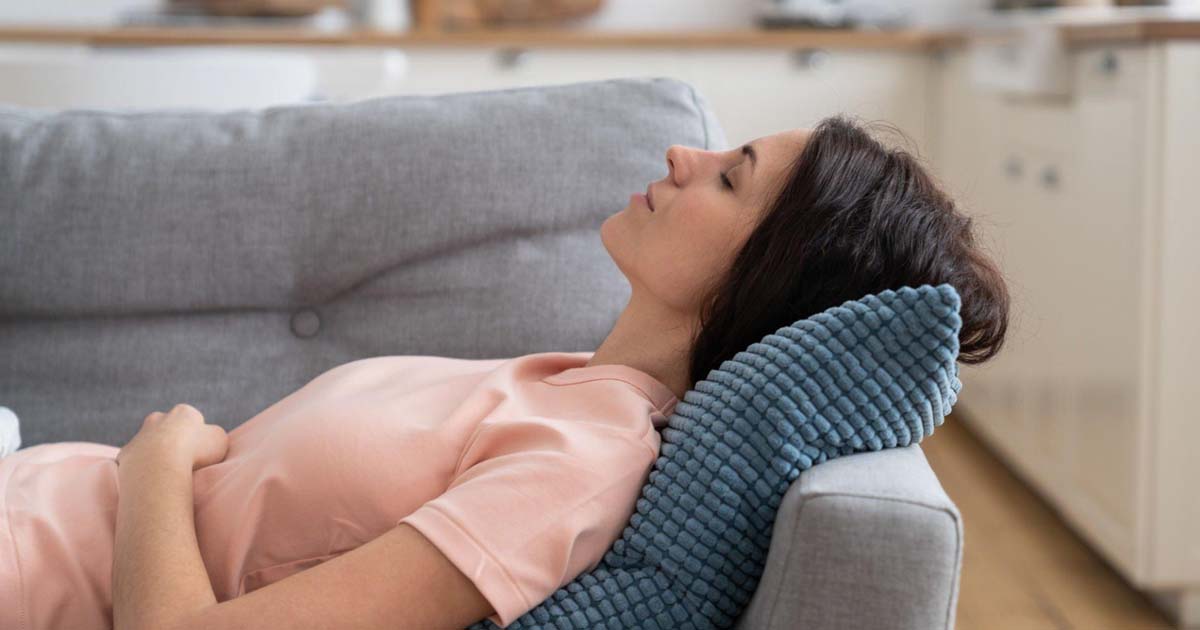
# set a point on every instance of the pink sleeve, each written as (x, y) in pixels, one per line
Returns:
(538, 502)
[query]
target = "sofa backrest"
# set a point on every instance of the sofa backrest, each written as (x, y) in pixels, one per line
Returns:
(224, 259)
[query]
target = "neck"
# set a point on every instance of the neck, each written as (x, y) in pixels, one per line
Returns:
(652, 339)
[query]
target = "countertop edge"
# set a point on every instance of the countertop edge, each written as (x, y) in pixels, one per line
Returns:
(906, 39)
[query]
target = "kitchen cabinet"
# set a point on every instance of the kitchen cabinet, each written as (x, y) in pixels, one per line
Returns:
(64, 75)
(754, 92)
(513, 67)
(760, 92)
(1093, 399)
(1175, 501)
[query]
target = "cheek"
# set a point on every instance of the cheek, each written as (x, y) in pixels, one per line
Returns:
(688, 251)
(706, 237)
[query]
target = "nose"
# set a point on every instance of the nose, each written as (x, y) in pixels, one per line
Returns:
(677, 165)
(682, 162)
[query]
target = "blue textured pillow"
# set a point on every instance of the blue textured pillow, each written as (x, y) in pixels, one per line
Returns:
(874, 373)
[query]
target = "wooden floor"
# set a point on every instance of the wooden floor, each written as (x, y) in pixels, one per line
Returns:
(1023, 568)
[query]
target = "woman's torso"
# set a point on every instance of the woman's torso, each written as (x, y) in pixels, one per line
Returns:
(327, 468)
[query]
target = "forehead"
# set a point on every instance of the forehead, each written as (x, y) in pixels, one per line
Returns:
(775, 152)
(780, 148)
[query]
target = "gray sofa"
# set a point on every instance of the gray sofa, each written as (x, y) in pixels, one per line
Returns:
(225, 258)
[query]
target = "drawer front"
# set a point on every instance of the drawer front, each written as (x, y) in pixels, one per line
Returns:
(753, 92)
(538, 66)
(57, 76)
(434, 71)
(501, 67)
(761, 92)
(1111, 71)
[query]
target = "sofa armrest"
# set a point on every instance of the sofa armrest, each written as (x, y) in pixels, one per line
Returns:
(869, 540)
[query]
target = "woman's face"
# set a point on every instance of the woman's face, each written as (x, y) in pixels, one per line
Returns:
(698, 223)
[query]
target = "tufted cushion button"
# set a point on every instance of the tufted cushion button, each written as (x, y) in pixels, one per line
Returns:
(305, 322)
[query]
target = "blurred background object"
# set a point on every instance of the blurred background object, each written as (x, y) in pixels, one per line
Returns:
(835, 13)
(386, 15)
(861, 13)
(1042, 4)
(480, 13)
(257, 7)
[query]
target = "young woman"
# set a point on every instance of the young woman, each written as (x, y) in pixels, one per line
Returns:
(421, 491)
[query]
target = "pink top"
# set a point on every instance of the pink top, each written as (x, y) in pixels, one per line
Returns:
(522, 471)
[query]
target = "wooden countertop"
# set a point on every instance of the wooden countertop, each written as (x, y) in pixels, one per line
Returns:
(1132, 31)
(506, 37)
(1078, 26)
(1074, 34)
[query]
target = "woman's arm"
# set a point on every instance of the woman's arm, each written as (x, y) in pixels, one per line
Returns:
(397, 580)
(158, 576)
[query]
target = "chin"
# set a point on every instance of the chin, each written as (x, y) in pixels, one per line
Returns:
(614, 238)
(605, 228)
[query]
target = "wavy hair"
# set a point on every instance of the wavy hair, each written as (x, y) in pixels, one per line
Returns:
(851, 218)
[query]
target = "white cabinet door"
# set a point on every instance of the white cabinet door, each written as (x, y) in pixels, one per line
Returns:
(350, 73)
(1005, 213)
(1175, 504)
(760, 92)
(985, 170)
(753, 92)
(1106, 271)
(62, 76)
(1061, 190)
(435, 71)
(555, 66)
(440, 71)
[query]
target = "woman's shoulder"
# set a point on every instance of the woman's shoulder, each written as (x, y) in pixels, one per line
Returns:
(650, 388)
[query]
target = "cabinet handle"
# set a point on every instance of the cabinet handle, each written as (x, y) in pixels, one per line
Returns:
(809, 58)
(1050, 177)
(1013, 167)
(1109, 63)
(511, 57)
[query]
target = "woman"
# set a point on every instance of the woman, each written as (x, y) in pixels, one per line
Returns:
(419, 491)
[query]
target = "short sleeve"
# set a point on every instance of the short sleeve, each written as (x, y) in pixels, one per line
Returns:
(537, 503)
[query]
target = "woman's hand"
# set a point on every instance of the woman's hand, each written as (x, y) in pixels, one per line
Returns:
(180, 436)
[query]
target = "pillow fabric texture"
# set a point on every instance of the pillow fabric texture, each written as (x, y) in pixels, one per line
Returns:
(874, 373)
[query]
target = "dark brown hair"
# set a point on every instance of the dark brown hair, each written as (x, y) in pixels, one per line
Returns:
(851, 218)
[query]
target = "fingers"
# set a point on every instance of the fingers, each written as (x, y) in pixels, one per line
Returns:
(218, 433)
(181, 410)
(217, 449)
(185, 409)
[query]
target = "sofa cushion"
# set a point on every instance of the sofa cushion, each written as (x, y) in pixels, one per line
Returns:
(224, 259)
